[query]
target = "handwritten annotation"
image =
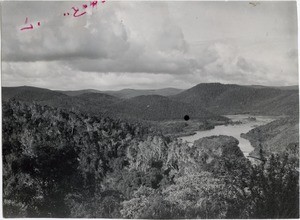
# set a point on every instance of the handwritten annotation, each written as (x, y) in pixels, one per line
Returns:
(77, 12)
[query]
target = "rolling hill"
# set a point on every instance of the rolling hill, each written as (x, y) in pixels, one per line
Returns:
(91, 103)
(28, 94)
(148, 107)
(126, 93)
(234, 99)
(130, 93)
(201, 101)
(276, 136)
(159, 107)
(78, 92)
(294, 87)
(155, 107)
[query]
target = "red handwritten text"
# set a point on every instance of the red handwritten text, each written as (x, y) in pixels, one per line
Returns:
(30, 27)
(94, 3)
(76, 14)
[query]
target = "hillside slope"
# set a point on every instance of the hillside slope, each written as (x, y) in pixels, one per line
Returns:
(131, 93)
(90, 103)
(29, 94)
(78, 92)
(234, 99)
(154, 107)
(202, 101)
(294, 87)
(274, 137)
(125, 93)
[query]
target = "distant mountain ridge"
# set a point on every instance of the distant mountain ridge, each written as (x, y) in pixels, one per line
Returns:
(126, 93)
(78, 92)
(160, 107)
(235, 99)
(28, 93)
(92, 103)
(294, 87)
(155, 107)
(201, 101)
(131, 93)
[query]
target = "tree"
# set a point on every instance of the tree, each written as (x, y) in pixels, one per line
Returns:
(274, 188)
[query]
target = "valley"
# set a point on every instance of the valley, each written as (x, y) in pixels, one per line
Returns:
(150, 109)
(206, 104)
(93, 154)
(245, 124)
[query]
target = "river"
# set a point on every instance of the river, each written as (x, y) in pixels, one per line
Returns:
(233, 130)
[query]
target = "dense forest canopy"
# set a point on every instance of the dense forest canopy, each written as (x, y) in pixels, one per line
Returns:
(63, 163)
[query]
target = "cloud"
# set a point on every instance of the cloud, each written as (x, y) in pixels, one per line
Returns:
(102, 42)
(56, 76)
(65, 38)
(139, 44)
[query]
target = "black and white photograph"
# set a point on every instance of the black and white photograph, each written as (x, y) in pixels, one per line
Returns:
(150, 109)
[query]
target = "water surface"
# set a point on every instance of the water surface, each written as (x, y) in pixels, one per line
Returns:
(233, 130)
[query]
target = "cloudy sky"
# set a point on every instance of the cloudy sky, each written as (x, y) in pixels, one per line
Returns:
(148, 44)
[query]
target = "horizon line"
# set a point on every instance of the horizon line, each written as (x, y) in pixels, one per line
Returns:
(168, 87)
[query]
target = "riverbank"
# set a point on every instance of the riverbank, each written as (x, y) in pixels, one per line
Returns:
(275, 137)
(234, 127)
(179, 128)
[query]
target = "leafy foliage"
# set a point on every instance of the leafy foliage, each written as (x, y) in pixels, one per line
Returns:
(58, 152)
(59, 163)
(274, 188)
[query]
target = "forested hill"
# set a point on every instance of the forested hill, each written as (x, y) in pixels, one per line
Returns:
(89, 103)
(294, 87)
(150, 107)
(62, 163)
(278, 136)
(155, 107)
(126, 93)
(234, 99)
(78, 92)
(29, 94)
(50, 155)
(203, 100)
(131, 93)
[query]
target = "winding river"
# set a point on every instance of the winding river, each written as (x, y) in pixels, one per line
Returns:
(233, 130)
